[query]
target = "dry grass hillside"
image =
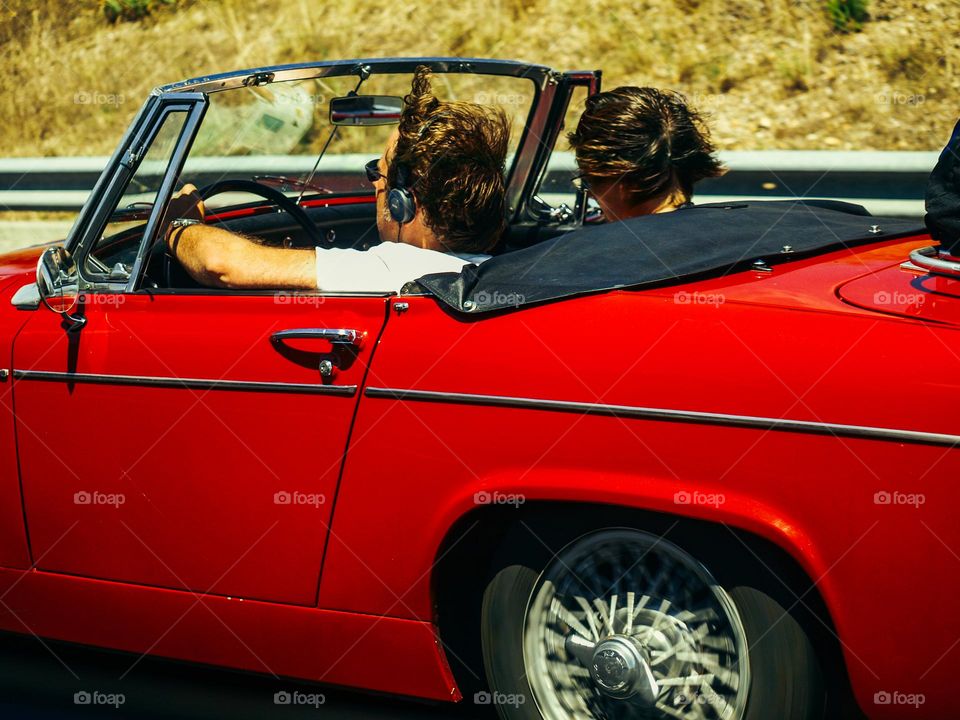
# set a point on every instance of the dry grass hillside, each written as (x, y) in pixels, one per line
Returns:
(771, 73)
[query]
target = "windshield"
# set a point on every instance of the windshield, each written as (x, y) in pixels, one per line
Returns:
(274, 133)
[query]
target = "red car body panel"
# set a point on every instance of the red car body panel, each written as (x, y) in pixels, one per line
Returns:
(330, 647)
(788, 344)
(707, 351)
(198, 489)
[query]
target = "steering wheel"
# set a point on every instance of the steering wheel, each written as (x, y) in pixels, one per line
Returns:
(267, 193)
(169, 267)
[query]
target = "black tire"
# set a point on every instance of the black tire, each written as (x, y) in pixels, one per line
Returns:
(501, 633)
(786, 680)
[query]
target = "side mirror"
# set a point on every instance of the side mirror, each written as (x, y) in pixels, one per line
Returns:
(58, 283)
(365, 110)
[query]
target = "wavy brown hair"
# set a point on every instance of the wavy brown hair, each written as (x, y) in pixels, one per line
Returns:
(451, 155)
(651, 140)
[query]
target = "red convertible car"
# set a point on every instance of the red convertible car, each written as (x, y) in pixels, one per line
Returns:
(693, 465)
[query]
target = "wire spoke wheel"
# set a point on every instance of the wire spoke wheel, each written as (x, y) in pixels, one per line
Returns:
(623, 624)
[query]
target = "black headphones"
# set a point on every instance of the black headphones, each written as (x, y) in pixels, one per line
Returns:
(400, 200)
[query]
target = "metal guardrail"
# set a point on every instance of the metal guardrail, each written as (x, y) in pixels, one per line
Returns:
(886, 183)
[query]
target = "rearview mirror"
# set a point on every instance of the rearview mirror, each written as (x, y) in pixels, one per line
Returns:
(58, 283)
(365, 110)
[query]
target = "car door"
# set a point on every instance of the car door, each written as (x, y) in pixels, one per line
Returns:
(190, 440)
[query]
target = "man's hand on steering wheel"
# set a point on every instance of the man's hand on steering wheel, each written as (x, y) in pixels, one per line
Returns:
(214, 256)
(186, 204)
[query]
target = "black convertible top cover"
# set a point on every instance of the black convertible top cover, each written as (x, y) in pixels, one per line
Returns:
(689, 243)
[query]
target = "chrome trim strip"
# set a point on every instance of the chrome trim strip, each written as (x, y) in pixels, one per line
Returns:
(691, 416)
(187, 383)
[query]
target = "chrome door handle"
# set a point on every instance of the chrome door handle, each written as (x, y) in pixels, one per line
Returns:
(335, 336)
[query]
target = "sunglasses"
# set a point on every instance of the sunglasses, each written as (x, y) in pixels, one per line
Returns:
(372, 169)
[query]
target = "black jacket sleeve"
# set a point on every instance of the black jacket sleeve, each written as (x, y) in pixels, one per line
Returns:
(943, 197)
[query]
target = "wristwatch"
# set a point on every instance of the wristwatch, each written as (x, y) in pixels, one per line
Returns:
(177, 223)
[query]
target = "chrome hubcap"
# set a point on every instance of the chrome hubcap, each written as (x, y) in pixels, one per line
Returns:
(623, 624)
(620, 667)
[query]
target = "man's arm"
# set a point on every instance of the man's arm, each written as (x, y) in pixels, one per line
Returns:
(219, 258)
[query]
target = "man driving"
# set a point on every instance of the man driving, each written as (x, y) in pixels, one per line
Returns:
(440, 204)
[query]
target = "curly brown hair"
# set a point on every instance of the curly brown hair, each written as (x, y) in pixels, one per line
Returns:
(651, 140)
(451, 156)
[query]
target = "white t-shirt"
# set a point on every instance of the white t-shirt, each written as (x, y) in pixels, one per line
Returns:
(386, 267)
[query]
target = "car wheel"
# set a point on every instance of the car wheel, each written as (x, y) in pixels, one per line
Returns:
(624, 624)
